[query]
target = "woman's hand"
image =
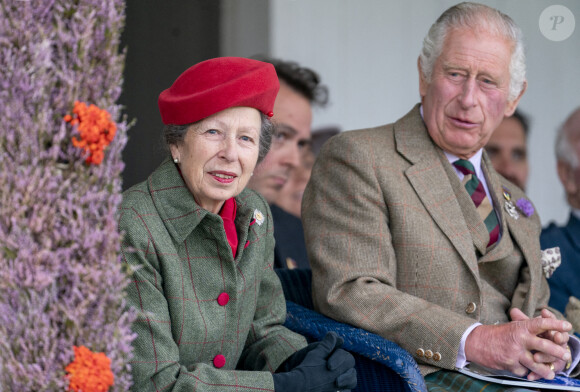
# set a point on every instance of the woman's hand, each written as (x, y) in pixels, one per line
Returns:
(324, 367)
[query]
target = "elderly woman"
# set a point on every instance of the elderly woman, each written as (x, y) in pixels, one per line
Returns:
(200, 247)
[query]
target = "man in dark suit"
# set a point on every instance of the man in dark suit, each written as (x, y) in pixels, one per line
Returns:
(300, 90)
(565, 282)
(413, 235)
(507, 148)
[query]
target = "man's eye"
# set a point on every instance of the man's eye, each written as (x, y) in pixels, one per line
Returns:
(519, 156)
(488, 82)
(280, 136)
(491, 151)
(304, 144)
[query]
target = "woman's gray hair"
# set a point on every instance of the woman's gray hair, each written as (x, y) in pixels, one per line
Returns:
(564, 149)
(174, 135)
(476, 16)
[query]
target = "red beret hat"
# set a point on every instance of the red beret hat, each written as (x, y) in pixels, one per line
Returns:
(217, 84)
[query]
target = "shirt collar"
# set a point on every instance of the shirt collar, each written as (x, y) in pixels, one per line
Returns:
(475, 160)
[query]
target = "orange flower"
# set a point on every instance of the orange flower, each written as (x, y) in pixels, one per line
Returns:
(89, 372)
(95, 128)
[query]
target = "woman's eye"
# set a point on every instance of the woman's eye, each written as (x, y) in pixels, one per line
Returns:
(212, 131)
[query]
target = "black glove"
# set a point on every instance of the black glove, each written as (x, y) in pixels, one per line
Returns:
(297, 358)
(325, 367)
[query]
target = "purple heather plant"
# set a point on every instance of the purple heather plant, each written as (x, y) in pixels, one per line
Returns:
(61, 280)
(525, 206)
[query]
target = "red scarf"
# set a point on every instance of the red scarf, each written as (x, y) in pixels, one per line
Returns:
(228, 214)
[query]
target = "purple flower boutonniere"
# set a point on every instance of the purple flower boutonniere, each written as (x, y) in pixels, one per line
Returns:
(525, 206)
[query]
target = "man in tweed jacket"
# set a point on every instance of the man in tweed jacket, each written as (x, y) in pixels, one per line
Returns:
(395, 242)
(183, 269)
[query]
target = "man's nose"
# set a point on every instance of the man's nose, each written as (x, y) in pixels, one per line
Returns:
(291, 155)
(468, 93)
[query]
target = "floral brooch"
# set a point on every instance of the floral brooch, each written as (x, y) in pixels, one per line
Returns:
(522, 205)
(258, 217)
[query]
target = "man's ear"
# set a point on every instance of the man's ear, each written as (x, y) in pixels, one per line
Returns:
(566, 174)
(512, 105)
(423, 85)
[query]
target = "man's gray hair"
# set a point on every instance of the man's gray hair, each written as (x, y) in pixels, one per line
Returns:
(476, 16)
(564, 148)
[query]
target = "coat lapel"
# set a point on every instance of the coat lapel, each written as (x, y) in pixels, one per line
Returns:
(527, 242)
(429, 179)
(181, 214)
(174, 202)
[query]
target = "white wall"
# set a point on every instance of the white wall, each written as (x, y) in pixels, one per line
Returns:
(366, 52)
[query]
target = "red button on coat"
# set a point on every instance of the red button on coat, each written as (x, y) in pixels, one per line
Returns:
(219, 361)
(223, 299)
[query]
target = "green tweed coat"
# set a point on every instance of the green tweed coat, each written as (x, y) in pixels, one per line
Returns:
(205, 319)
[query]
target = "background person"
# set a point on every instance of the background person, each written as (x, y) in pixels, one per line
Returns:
(411, 233)
(200, 247)
(300, 90)
(290, 251)
(507, 148)
(290, 196)
(565, 282)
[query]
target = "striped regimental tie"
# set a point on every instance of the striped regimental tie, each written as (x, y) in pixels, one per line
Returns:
(475, 189)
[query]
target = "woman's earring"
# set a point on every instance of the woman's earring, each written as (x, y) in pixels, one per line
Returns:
(175, 160)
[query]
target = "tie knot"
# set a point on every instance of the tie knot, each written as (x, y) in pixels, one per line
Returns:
(464, 166)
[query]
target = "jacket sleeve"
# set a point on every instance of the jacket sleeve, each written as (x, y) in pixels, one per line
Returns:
(269, 342)
(156, 364)
(355, 266)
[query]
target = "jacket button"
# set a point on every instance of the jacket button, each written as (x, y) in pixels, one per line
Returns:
(428, 354)
(420, 352)
(219, 361)
(223, 299)
(470, 308)
(437, 356)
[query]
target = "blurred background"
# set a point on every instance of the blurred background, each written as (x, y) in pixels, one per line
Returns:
(365, 52)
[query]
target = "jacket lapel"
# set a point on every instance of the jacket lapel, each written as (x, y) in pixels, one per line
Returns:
(429, 179)
(181, 214)
(527, 242)
(174, 202)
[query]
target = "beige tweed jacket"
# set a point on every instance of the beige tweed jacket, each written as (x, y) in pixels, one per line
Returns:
(396, 246)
